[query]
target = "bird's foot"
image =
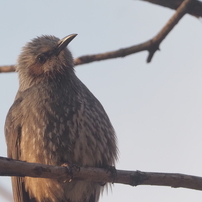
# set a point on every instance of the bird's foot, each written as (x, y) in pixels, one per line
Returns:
(71, 168)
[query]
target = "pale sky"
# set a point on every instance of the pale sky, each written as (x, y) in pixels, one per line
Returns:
(156, 108)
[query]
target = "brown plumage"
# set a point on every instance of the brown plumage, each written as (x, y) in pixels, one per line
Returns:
(55, 119)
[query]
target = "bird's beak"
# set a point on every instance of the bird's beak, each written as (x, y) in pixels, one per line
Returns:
(64, 42)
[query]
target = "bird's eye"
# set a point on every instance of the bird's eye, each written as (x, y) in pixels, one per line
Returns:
(41, 59)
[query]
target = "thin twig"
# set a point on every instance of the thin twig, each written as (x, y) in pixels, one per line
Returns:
(7, 68)
(180, 12)
(10, 167)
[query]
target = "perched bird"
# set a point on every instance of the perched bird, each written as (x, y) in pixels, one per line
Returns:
(54, 120)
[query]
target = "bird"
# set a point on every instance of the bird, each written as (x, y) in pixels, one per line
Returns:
(54, 120)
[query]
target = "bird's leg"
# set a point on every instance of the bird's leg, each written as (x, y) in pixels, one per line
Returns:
(71, 168)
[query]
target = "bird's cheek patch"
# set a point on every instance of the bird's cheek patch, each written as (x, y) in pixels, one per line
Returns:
(36, 69)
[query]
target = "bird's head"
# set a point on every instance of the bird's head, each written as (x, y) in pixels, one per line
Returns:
(44, 57)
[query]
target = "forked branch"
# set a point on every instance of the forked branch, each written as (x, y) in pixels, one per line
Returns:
(151, 45)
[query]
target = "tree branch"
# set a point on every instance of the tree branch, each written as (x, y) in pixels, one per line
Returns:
(180, 12)
(151, 46)
(195, 8)
(10, 167)
(7, 68)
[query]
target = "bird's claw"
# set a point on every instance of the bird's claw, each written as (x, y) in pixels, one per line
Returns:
(71, 168)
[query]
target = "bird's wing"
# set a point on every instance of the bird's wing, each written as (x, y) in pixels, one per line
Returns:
(13, 134)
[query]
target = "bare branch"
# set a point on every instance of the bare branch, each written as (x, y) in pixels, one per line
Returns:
(10, 167)
(7, 68)
(180, 12)
(195, 8)
(152, 45)
(97, 57)
(114, 54)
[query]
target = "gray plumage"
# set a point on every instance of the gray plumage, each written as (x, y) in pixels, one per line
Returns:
(55, 119)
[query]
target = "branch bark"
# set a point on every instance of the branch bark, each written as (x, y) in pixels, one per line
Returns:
(151, 45)
(7, 68)
(10, 167)
(180, 12)
(195, 8)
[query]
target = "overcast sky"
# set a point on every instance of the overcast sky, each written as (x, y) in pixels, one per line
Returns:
(156, 108)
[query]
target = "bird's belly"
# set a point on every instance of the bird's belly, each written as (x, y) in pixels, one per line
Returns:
(56, 148)
(40, 148)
